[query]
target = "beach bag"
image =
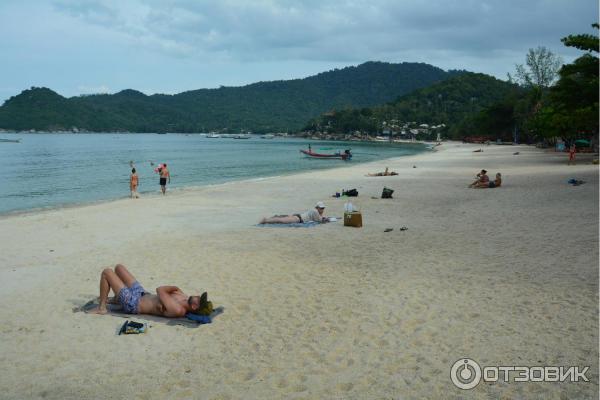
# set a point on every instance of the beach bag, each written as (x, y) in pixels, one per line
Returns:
(387, 193)
(353, 219)
(350, 193)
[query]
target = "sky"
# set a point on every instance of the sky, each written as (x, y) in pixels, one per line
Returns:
(171, 46)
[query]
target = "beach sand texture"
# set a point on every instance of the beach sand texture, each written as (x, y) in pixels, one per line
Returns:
(507, 276)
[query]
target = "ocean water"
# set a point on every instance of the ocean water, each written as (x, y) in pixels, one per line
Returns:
(54, 170)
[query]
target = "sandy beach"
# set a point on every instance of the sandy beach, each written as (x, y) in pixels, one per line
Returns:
(505, 276)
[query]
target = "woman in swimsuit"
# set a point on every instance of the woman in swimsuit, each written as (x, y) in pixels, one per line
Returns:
(133, 184)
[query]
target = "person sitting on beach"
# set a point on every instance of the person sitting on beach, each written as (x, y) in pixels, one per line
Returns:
(315, 215)
(169, 301)
(491, 184)
(385, 173)
(482, 178)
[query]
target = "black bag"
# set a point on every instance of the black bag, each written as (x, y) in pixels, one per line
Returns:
(350, 193)
(387, 193)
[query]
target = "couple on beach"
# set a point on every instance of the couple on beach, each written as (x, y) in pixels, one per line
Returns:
(164, 174)
(483, 181)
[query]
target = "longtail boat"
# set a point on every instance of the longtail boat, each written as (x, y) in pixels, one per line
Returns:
(346, 155)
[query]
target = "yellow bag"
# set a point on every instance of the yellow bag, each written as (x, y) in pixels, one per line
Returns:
(353, 219)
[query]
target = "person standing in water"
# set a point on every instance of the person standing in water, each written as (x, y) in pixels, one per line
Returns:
(164, 175)
(133, 184)
(572, 151)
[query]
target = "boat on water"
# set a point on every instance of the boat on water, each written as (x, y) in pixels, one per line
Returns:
(345, 155)
(241, 136)
(213, 136)
(267, 136)
(10, 140)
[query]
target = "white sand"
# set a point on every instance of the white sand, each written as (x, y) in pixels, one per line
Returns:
(507, 276)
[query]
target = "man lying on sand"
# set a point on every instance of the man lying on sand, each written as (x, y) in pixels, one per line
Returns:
(169, 301)
(385, 173)
(315, 215)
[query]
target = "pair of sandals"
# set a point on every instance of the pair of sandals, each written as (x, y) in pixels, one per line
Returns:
(391, 229)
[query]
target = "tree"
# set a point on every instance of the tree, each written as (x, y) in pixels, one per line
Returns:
(572, 109)
(541, 70)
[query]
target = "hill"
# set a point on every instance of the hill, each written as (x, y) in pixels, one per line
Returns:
(455, 102)
(259, 107)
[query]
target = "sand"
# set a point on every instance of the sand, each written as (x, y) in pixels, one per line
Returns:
(506, 276)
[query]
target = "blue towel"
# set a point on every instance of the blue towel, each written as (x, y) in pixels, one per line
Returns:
(309, 224)
(201, 319)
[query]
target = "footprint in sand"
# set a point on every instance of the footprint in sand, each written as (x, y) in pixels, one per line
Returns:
(345, 387)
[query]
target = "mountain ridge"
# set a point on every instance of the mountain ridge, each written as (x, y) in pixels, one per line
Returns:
(281, 105)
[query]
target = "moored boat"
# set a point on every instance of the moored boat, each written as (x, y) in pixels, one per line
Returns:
(346, 155)
(10, 140)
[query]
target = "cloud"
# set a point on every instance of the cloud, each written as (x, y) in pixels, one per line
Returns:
(330, 31)
(174, 45)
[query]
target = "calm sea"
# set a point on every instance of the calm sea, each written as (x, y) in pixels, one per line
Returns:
(53, 170)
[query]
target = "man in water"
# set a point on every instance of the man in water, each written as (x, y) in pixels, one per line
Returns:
(164, 175)
(315, 215)
(169, 301)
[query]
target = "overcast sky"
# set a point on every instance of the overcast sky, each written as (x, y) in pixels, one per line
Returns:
(169, 46)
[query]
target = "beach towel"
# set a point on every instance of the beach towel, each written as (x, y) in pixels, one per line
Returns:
(309, 224)
(190, 320)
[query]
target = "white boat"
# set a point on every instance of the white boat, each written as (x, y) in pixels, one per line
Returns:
(241, 136)
(267, 136)
(213, 136)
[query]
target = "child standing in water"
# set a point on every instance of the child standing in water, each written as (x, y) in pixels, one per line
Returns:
(133, 184)
(572, 151)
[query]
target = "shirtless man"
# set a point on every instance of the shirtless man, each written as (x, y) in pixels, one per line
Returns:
(164, 175)
(384, 173)
(169, 301)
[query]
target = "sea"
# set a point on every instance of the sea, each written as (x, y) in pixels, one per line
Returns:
(51, 170)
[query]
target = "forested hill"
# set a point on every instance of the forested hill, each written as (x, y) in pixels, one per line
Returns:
(259, 107)
(456, 102)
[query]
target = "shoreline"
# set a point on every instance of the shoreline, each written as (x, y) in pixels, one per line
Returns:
(505, 276)
(16, 213)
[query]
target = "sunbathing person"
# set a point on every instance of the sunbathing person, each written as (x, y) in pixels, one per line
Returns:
(315, 215)
(385, 173)
(491, 184)
(482, 178)
(169, 301)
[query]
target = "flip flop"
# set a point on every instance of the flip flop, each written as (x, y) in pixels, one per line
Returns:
(388, 229)
(404, 228)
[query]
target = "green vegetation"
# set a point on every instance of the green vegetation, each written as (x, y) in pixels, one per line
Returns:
(547, 108)
(259, 107)
(452, 102)
(547, 101)
(570, 109)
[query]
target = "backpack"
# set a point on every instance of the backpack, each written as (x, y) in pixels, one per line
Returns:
(350, 193)
(386, 193)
